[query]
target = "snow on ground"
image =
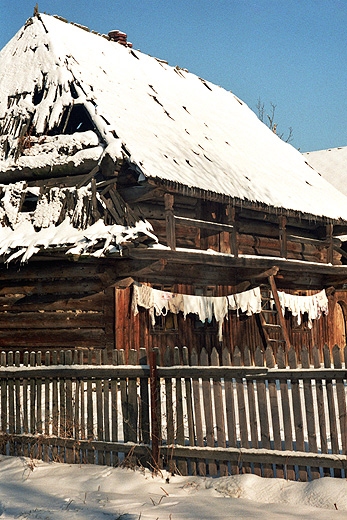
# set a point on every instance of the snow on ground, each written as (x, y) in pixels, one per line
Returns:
(52, 491)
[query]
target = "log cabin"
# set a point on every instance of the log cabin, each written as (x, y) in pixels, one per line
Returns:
(121, 175)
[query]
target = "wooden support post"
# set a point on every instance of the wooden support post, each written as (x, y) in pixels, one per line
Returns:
(330, 247)
(283, 235)
(233, 235)
(170, 221)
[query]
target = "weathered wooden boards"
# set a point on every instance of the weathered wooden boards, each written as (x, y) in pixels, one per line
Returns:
(213, 415)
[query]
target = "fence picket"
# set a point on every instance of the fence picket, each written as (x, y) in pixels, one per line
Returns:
(208, 412)
(263, 412)
(69, 431)
(11, 404)
(230, 409)
(286, 413)
(297, 412)
(170, 435)
(207, 402)
(219, 413)
(253, 423)
(180, 438)
(189, 401)
(90, 415)
(18, 445)
(331, 408)
(320, 408)
(47, 416)
(201, 464)
(25, 404)
(276, 431)
(309, 411)
(114, 408)
(341, 400)
(241, 406)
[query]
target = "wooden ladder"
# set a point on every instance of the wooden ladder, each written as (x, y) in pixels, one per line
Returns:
(272, 321)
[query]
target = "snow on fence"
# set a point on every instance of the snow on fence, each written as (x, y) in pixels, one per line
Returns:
(193, 414)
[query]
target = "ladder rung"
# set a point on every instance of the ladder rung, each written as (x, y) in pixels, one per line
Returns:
(272, 326)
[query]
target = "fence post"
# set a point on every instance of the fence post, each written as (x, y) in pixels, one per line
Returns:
(154, 410)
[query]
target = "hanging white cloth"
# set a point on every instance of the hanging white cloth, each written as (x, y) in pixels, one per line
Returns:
(246, 301)
(142, 297)
(314, 305)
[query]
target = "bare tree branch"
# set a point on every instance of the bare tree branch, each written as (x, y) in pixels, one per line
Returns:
(270, 120)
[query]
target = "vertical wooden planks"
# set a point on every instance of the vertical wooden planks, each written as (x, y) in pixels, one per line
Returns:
(25, 405)
(219, 413)
(331, 407)
(230, 409)
(263, 412)
(341, 399)
(62, 406)
(39, 383)
(180, 438)
(11, 404)
(3, 397)
(241, 406)
(286, 413)
(170, 434)
(99, 409)
(190, 416)
(32, 393)
(19, 410)
(90, 414)
(309, 410)
(201, 464)
(132, 400)
(69, 430)
(277, 443)
(208, 412)
(320, 408)
(47, 419)
(106, 411)
(124, 398)
(297, 412)
(144, 425)
(114, 408)
(253, 423)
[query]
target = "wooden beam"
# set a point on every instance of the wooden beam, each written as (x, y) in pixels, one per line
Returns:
(265, 274)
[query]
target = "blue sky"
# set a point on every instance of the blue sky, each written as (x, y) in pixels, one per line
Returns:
(292, 53)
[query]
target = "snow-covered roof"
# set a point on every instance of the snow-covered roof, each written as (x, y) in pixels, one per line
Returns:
(172, 125)
(332, 165)
(61, 221)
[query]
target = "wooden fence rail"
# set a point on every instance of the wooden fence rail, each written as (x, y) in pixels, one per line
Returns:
(205, 415)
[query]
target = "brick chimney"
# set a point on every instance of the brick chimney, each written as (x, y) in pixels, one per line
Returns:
(119, 37)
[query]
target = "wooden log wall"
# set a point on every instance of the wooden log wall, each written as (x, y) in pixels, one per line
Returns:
(256, 232)
(54, 305)
(238, 330)
(214, 414)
